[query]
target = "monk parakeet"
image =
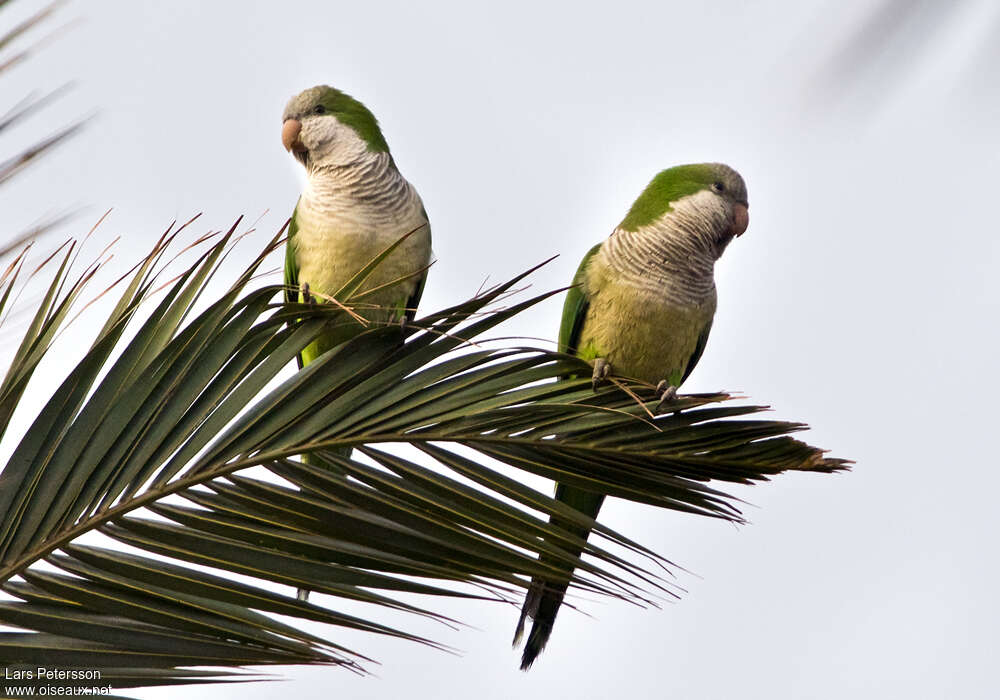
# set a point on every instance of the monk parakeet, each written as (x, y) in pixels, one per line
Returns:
(641, 307)
(355, 205)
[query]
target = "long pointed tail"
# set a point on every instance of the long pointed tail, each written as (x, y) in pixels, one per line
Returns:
(541, 605)
(544, 598)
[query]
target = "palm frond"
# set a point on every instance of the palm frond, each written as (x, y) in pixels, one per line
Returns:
(172, 443)
(26, 108)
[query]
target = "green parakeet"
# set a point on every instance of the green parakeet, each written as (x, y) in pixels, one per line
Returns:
(641, 307)
(355, 205)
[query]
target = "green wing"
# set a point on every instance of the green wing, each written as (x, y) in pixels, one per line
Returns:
(414, 301)
(291, 267)
(699, 348)
(575, 307)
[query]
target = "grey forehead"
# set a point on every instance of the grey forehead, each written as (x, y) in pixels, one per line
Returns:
(302, 102)
(733, 181)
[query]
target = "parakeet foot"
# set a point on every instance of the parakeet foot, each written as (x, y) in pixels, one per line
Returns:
(668, 394)
(602, 368)
(302, 595)
(307, 298)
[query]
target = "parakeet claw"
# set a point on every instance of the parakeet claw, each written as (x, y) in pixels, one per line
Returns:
(302, 595)
(667, 396)
(306, 296)
(602, 368)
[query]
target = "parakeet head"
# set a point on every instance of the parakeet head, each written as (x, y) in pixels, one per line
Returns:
(711, 197)
(324, 126)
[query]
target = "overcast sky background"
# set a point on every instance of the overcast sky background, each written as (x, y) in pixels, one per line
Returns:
(863, 299)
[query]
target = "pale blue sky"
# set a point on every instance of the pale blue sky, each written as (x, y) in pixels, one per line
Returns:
(863, 299)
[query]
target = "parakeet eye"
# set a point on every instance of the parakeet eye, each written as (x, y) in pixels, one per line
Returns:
(718, 187)
(319, 109)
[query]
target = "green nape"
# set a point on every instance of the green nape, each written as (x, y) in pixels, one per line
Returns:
(355, 115)
(664, 189)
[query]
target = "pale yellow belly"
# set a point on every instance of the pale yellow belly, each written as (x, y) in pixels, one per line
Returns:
(331, 251)
(640, 334)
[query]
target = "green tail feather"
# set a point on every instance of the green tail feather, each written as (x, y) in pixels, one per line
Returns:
(542, 605)
(544, 598)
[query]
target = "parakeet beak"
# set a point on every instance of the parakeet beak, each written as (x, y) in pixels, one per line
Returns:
(290, 131)
(741, 219)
